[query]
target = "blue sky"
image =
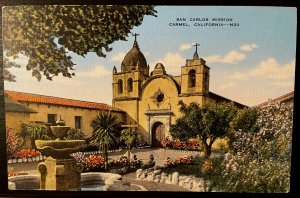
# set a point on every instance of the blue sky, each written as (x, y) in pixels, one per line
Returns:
(250, 63)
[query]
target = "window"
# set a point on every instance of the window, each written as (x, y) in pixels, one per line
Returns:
(78, 122)
(52, 119)
(130, 85)
(192, 78)
(120, 86)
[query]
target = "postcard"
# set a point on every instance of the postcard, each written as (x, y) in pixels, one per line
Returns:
(148, 98)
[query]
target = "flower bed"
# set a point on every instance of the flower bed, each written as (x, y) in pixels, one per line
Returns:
(16, 173)
(95, 163)
(182, 160)
(190, 145)
(26, 155)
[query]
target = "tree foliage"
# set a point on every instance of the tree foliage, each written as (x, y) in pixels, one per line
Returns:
(105, 132)
(245, 122)
(75, 134)
(7, 75)
(32, 29)
(129, 136)
(262, 158)
(209, 122)
(35, 131)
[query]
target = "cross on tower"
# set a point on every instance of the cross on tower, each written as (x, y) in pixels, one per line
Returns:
(196, 45)
(135, 35)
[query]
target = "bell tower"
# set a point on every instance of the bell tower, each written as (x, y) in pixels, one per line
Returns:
(195, 76)
(127, 83)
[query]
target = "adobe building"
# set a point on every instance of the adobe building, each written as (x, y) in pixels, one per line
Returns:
(287, 99)
(24, 107)
(150, 99)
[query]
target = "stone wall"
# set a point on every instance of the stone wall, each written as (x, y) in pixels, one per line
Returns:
(157, 175)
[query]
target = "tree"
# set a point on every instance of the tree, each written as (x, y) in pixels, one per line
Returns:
(6, 74)
(262, 161)
(209, 122)
(129, 136)
(32, 30)
(245, 122)
(105, 130)
(35, 131)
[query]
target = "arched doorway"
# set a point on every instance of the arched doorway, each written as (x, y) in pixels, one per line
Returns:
(158, 134)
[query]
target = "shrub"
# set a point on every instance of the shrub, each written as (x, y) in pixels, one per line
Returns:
(142, 144)
(177, 144)
(261, 159)
(11, 142)
(75, 134)
(93, 163)
(182, 160)
(35, 131)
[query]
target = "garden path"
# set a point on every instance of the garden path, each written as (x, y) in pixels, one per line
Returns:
(160, 155)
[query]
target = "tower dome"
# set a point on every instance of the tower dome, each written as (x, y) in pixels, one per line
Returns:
(133, 58)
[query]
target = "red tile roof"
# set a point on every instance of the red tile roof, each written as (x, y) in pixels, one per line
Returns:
(29, 97)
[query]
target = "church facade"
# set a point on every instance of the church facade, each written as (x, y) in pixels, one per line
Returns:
(150, 99)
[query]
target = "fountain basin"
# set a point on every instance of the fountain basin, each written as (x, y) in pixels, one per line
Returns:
(93, 181)
(59, 144)
(59, 149)
(60, 131)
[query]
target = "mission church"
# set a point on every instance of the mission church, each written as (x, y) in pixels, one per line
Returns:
(144, 100)
(150, 99)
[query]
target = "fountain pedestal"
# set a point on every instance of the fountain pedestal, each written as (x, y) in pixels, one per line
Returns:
(60, 174)
(60, 171)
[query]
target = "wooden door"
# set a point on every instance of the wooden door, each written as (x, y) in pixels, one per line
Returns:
(158, 134)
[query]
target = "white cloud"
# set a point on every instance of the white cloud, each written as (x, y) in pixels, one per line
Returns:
(172, 63)
(118, 57)
(232, 57)
(271, 69)
(238, 76)
(97, 71)
(228, 85)
(248, 47)
(288, 84)
(184, 46)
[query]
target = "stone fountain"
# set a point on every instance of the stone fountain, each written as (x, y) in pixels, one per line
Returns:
(60, 171)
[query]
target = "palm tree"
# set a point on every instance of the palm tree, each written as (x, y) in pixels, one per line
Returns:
(128, 136)
(105, 129)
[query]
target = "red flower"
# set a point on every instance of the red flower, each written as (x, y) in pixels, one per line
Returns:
(16, 173)
(207, 165)
(26, 153)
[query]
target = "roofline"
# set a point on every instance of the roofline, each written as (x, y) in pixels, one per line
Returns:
(283, 97)
(110, 108)
(228, 99)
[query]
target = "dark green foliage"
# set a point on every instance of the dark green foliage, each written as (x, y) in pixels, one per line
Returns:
(6, 74)
(35, 131)
(245, 122)
(105, 132)
(196, 169)
(75, 134)
(209, 122)
(32, 29)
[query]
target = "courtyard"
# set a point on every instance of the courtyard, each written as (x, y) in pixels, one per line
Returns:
(160, 156)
